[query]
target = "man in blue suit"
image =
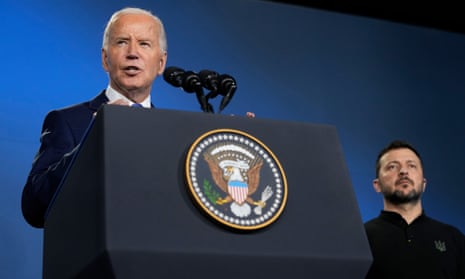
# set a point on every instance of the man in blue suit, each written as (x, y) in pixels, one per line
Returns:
(134, 53)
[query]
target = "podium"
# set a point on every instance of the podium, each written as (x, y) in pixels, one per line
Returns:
(124, 210)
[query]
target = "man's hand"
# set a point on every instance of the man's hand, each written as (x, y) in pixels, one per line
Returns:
(250, 114)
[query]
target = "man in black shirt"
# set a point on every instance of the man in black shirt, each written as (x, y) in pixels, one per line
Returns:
(406, 243)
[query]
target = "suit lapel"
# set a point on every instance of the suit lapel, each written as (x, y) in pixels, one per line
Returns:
(98, 101)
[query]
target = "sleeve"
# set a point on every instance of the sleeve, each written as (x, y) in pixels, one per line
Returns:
(57, 147)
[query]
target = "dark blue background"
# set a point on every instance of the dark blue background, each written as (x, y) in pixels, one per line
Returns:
(372, 79)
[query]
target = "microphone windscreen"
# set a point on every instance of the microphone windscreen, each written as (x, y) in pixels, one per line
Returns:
(209, 79)
(191, 82)
(174, 76)
(226, 84)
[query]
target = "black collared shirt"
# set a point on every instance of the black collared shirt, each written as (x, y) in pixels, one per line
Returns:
(424, 249)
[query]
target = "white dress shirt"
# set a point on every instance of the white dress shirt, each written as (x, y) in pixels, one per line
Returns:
(114, 95)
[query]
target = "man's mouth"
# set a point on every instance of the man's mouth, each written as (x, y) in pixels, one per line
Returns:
(131, 70)
(404, 181)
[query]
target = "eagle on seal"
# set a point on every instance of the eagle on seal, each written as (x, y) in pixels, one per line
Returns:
(238, 179)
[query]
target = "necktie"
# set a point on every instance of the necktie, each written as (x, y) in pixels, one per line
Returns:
(137, 105)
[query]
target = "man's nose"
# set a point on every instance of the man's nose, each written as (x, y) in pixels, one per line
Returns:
(132, 50)
(403, 170)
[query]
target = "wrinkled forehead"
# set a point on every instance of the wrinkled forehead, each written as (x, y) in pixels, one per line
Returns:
(135, 24)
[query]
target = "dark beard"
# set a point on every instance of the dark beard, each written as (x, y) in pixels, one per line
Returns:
(398, 198)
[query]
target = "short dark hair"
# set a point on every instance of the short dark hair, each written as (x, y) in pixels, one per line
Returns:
(396, 144)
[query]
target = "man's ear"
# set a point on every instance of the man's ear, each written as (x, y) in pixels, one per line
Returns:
(105, 60)
(376, 185)
(162, 62)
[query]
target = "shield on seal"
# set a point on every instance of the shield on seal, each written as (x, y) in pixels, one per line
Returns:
(238, 191)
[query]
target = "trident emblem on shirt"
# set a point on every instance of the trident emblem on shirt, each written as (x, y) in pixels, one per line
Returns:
(440, 245)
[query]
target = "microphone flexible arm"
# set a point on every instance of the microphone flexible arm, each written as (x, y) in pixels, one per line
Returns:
(205, 106)
(227, 87)
(227, 98)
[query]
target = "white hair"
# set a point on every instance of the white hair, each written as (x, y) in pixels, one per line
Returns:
(137, 11)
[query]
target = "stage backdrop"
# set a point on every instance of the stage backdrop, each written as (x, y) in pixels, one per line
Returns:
(374, 80)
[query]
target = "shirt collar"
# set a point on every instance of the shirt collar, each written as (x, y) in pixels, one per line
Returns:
(114, 95)
(397, 219)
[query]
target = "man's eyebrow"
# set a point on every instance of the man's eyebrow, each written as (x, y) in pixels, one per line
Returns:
(120, 37)
(398, 162)
(145, 39)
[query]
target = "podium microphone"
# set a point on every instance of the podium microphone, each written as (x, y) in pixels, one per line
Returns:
(190, 82)
(227, 87)
(174, 76)
(210, 81)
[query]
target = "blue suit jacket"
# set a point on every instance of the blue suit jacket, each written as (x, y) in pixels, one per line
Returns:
(62, 132)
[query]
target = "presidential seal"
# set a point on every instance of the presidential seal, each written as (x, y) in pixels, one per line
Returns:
(235, 179)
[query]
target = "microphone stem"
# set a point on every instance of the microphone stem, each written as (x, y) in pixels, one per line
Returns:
(227, 98)
(204, 105)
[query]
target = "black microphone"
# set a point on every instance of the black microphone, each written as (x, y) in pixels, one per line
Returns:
(227, 87)
(209, 80)
(174, 76)
(190, 82)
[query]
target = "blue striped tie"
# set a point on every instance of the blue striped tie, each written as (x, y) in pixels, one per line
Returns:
(137, 105)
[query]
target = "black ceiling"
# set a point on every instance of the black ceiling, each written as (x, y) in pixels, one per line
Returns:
(444, 16)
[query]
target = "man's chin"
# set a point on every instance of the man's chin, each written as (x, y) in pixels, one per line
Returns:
(399, 197)
(133, 87)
